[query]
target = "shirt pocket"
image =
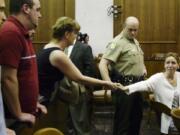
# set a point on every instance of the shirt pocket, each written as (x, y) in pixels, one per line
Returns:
(131, 57)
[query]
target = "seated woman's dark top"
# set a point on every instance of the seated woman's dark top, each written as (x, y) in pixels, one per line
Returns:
(47, 73)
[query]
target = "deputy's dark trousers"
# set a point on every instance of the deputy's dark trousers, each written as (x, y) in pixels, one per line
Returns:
(128, 113)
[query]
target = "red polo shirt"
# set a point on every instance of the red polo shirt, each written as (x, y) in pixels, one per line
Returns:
(16, 50)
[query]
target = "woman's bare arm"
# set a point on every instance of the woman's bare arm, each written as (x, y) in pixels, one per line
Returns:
(64, 64)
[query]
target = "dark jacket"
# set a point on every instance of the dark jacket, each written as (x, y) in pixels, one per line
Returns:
(82, 57)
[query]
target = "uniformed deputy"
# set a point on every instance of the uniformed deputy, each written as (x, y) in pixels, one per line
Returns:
(125, 57)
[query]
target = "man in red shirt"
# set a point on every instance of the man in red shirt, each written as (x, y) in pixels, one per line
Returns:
(18, 61)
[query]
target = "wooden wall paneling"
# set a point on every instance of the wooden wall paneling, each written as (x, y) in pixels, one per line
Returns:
(70, 8)
(178, 23)
(154, 66)
(157, 18)
(158, 48)
(51, 11)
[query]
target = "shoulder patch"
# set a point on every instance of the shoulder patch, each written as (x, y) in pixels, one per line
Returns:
(112, 46)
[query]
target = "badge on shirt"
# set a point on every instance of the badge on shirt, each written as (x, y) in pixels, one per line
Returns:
(113, 46)
(133, 51)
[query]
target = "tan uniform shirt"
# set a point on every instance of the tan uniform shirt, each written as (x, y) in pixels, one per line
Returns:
(126, 55)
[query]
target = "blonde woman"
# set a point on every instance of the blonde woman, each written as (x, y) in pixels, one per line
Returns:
(53, 64)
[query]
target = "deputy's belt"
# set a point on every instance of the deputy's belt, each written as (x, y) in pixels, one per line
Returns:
(129, 79)
(126, 79)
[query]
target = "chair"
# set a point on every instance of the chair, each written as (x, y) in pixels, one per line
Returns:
(102, 96)
(102, 111)
(158, 108)
(102, 103)
(48, 131)
(175, 113)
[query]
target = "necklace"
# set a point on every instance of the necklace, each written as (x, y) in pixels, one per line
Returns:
(172, 81)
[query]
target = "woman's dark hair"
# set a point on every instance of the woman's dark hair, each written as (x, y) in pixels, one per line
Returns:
(79, 36)
(64, 24)
(82, 37)
(16, 5)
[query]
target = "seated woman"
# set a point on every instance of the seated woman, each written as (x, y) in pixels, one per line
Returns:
(53, 63)
(166, 88)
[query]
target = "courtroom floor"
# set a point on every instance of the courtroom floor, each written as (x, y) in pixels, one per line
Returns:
(103, 123)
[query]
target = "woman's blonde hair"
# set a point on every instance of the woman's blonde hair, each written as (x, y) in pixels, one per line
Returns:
(172, 54)
(64, 24)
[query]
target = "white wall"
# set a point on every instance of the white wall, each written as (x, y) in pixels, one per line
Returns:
(93, 18)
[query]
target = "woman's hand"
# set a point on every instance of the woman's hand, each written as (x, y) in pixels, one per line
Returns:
(113, 86)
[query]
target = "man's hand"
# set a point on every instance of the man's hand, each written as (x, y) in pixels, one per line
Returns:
(27, 117)
(41, 108)
(120, 86)
(145, 72)
(10, 132)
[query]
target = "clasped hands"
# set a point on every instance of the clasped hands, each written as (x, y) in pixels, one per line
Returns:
(115, 86)
(119, 86)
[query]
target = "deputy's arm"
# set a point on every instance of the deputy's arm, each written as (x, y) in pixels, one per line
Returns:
(103, 68)
(145, 71)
